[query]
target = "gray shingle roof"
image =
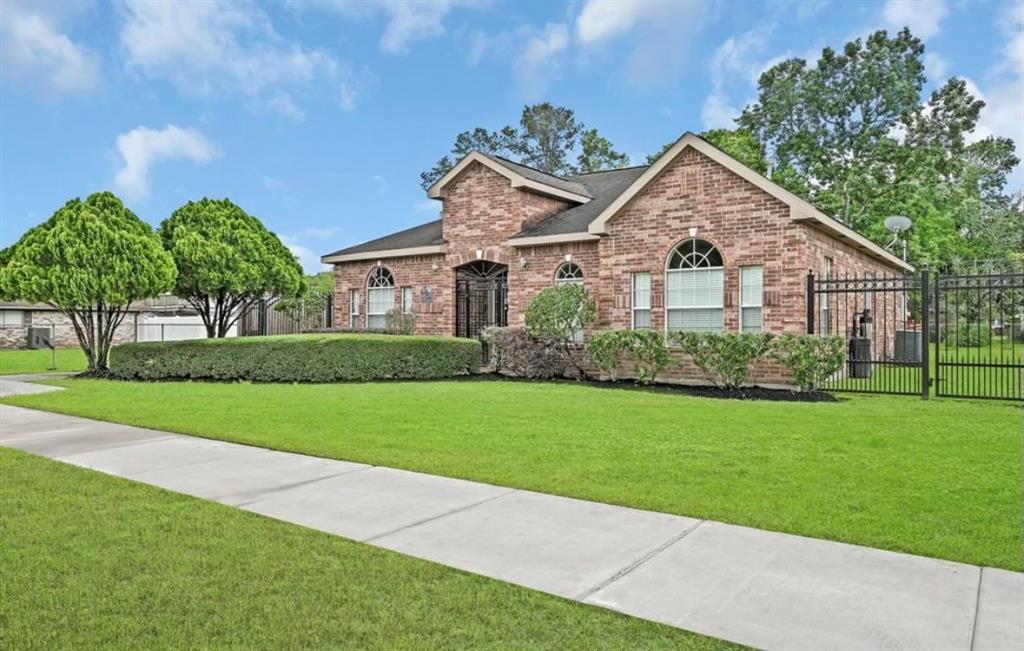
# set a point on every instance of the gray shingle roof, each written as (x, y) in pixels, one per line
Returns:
(604, 187)
(568, 185)
(428, 234)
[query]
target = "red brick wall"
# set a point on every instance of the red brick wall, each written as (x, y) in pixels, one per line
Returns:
(748, 226)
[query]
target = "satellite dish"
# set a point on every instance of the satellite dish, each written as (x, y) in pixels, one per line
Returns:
(897, 223)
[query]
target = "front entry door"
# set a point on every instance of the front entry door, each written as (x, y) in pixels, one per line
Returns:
(481, 298)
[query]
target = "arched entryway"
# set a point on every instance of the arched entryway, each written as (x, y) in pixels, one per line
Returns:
(481, 297)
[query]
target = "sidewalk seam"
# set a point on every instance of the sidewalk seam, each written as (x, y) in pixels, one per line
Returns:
(378, 536)
(273, 491)
(637, 563)
(977, 607)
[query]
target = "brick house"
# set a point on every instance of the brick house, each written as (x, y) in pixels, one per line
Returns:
(694, 241)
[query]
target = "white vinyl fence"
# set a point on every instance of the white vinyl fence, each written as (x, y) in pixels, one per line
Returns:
(173, 328)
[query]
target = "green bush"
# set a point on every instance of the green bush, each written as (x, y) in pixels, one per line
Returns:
(646, 349)
(606, 348)
(812, 359)
(725, 357)
(298, 358)
(398, 322)
(974, 335)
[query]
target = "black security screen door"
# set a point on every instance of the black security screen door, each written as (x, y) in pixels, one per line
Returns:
(481, 292)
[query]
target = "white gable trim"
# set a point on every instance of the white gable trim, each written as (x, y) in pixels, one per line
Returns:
(384, 253)
(539, 240)
(800, 210)
(518, 180)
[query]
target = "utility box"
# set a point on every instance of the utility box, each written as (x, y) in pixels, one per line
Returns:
(39, 338)
(908, 346)
(858, 358)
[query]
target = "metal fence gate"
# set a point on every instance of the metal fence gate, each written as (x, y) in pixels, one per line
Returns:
(949, 335)
(979, 336)
(883, 320)
(267, 317)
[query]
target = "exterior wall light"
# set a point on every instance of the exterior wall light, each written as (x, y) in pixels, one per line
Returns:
(522, 262)
(433, 267)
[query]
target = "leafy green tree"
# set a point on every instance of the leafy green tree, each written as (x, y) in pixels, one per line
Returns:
(548, 138)
(834, 121)
(227, 261)
(90, 261)
(597, 153)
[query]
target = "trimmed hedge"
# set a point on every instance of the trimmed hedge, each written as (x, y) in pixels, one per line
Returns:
(298, 358)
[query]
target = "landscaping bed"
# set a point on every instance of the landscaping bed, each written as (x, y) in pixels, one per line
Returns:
(936, 478)
(298, 358)
(98, 562)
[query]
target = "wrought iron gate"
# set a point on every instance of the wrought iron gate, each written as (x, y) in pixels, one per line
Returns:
(883, 320)
(979, 336)
(957, 335)
(481, 298)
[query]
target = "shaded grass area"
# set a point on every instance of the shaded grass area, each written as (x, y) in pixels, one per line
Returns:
(14, 362)
(940, 478)
(92, 561)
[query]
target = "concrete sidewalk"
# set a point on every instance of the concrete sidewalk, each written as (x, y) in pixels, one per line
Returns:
(759, 588)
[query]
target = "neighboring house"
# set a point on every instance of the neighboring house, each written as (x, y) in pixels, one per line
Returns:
(694, 241)
(18, 317)
(163, 318)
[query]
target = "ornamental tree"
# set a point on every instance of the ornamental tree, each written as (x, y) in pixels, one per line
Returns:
(90, 261)
(227, 261)
(557, 313)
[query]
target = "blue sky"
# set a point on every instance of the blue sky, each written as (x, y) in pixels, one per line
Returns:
(318, 117)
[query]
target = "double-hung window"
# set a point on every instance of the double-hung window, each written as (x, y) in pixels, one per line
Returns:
(353, 302)
(380, 298)
(694, 288)
(570, 274)
(751, 299)
(407, 300)
(641, 300)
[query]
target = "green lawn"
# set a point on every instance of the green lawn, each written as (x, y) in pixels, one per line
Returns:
(940, 478)
(14, 362)
(960, 375)
(97, 562)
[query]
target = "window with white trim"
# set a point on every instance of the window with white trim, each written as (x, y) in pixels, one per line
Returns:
(641, 300)
(569, 273)
(353, 303)
(380, 298)
(407, 300)
(751, 299)
(12, 318)
(694, 288)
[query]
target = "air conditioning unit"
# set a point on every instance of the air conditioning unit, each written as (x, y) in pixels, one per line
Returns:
(39, 338)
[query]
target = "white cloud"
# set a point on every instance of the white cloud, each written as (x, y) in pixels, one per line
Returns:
(308, 259)
(923, 17)
(1003, 88)
(935, 67)
(41, 58)
(142, 146)
(735, 60)
(537, 62)
(408, 21)
(216, 47)
(661, 34)
(347, 97)
(427, 207)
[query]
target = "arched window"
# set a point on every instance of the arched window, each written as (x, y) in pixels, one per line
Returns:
(380, 298)
(569, 274)
(693, 287)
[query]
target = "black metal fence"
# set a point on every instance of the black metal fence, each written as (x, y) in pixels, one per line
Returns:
(883, 320)
(955, 335)
(979, 335)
